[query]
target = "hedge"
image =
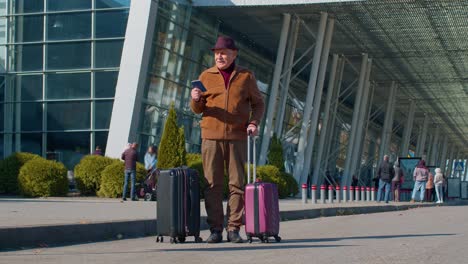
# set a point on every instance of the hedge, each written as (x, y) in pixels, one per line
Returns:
(88, 173)
(41, 177)
(10, 169)
(112, 179)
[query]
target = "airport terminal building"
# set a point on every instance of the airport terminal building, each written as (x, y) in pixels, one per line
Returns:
(344, 82)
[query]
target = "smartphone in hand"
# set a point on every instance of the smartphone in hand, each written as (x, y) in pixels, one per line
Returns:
(198, 84)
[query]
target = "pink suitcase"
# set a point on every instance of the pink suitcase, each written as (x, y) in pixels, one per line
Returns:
(261, 206)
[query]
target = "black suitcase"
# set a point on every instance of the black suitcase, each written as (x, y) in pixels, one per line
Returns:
(178, 207)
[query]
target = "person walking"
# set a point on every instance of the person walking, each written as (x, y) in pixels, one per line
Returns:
(385, 174)
(429, 187)
(420, 175)
(232, 107)
(397, 181)
(439, 185)
(130, 156)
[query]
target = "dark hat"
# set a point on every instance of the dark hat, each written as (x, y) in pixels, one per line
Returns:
(225, 42)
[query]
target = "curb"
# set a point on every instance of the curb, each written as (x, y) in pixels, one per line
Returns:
(18, 238)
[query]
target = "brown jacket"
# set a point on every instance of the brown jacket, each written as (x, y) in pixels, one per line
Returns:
(227, 112)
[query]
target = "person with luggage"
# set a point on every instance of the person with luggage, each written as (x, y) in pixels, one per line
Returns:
(130, 156)
(232, 106)
(385, 174)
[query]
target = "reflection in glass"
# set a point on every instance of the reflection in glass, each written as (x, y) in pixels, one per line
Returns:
(68, 115)
(103, 114)
(112, 3)
(111, 24)
(100, 139)
(30, 86)
(28, 57)
(60, 5)
(28, 6)
(31, 116)
(68, 85)
(1, 122)
(69, 55)
(104, 84)
(32, 143)
(28, 28)
(68, 147)
(108, 53)
(69, 26)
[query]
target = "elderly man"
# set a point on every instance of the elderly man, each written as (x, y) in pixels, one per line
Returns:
(130, 156)
(385, 175)
(232, 107)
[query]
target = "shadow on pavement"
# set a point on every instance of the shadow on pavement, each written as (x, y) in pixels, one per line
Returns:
(363, 237)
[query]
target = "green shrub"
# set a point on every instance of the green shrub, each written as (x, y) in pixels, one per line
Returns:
(9, 171)
(171, 152)
(112, 179)
(194, 161)
(41, 177)
(270, 173)
(275, 153)
(292, 186)
(88, 173)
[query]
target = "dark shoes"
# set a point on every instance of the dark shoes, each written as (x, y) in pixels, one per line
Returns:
(124, 199)
(234, 237)
(215, 237)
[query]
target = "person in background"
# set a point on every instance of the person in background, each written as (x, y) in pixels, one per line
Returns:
(429, 187)
(130, 156)
(397, 180)
(97, 151)
(151, 159)
(439, 185)
(232, 107)
(420, 175)
(385, 174)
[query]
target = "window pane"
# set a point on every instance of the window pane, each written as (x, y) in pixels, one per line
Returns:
(59, 5)
(28, 28)
(31, 142)
(68, 85)
(69, 26)
(30, 87)
(112, 3)
(103, 114)
(31, 116)
(69, 147)
(68, 115)
(104, 84)
(2, 90)
(69, 55)
(3, 120)
(28, 6)
(100, 139)
(3, 29)
(28, 57)
(111, 24)
(108, 53)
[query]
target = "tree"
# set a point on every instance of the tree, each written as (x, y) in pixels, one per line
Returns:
(171, 151)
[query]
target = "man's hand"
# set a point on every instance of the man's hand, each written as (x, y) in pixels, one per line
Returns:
(196, 94)
(252, 128)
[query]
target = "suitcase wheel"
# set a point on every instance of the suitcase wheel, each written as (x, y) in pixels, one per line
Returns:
(249, 238)
(173, 240)
(198, 239)
(278, 238)
(148, 196)
(265, 239)
(159, 239)
(181, 239)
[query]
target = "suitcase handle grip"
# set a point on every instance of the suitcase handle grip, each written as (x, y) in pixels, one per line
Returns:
(249, 159)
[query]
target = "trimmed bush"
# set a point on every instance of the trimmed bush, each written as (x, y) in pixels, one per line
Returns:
(292, 186)
(112, 179)
(10, 169)
(88, 173)
(275, 153)
(41, 177)
(270, 173)
(194, 161)
(171, 152)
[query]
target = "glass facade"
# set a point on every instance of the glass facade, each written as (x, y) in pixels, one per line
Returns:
(62, 59)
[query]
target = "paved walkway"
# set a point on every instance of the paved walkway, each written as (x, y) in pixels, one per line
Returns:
(32, 222)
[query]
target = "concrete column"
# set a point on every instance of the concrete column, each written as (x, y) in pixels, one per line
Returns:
(434, 149)
(357, 103)
(360, 133)
(271, 107)
(318, 98)
(323, 132)
(443, 157)
(407, 130)
(289, 59)
(421, 144)
(450, 161)
(309, 99)
(133, 72)
(388, 123)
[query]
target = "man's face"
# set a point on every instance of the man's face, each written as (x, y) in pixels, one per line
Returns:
(224, 58)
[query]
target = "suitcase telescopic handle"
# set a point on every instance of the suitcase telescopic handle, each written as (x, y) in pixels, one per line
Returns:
(252, 138)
